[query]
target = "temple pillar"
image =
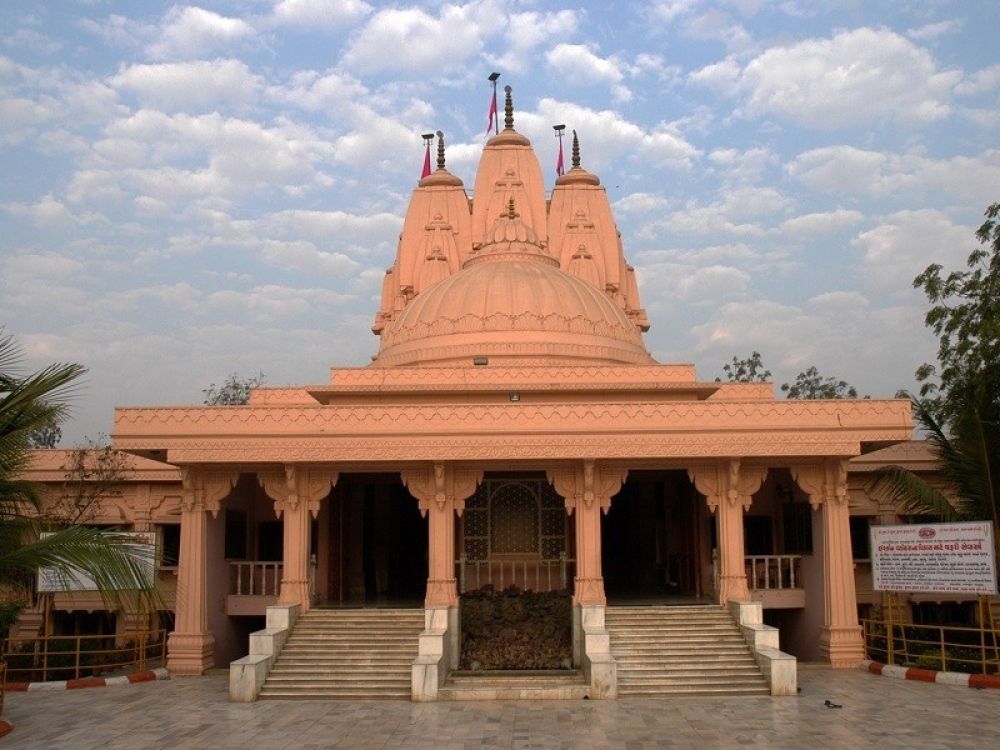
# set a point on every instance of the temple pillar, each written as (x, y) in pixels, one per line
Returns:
(441, 490)
(297, 493)
(841, 641)
(728, 487)
(587, 489)
(191, 645)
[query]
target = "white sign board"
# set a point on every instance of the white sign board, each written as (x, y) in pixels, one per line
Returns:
(49, 579)
(953, 558)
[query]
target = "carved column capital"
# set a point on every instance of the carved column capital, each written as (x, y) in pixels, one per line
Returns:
(205, 489)
(728, 479)
(825, 481)
(295, 484)
(436, 484)
(580, 485)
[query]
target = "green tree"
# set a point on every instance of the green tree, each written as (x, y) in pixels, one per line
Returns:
(810, 384)
(29, 401)
(234, 391)
(749, 370)
(959, 403)
(46, 437)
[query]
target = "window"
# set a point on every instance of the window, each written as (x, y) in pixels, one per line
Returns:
(860, 537)
(514, 517)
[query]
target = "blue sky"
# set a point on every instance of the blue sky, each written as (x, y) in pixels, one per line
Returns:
(194, 190)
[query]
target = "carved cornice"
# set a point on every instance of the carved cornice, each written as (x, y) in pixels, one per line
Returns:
(626, 417)
(823, 482)
(352, 379)
(441, 483)
(394, 449)
(583, 483)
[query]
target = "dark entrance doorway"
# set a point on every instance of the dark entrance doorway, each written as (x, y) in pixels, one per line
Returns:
(375, 542)
(649, 541)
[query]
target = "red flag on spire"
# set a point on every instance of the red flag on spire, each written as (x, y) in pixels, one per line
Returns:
(426, 171)
(493, 111)
(560, 167)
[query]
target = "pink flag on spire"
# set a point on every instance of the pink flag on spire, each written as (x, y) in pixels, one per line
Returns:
(493, 112)
(560, 167)
(426, 171)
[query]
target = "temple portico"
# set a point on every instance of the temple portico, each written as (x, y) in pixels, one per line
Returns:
(513, 434)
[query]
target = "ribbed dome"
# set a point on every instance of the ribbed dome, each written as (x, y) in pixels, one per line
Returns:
(557, 317)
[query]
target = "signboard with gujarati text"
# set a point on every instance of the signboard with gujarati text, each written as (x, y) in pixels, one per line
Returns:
(953, 558)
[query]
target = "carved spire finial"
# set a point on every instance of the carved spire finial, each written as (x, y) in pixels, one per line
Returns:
(576, 151)
(440, 163)
(511, 213)
(508, 109)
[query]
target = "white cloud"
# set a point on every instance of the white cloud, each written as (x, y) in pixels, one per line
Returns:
(412, 42)
(980, 82)
(641, 203)
(606, 135)
(142, 153)
(746, 166)
(663, 285)
(841, 333)
(855, 77)
(528, 31)
(850, 170)
(822, 222)
(906, 242)
(577, 65)
(320, 13)
(191, 32)
(198, 85)
(932, 31)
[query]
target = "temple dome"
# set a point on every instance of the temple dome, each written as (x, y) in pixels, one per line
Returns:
(513, 304)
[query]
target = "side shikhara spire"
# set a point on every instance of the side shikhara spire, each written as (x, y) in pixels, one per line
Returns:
(576, 151)
(440, 154)
(508, 109)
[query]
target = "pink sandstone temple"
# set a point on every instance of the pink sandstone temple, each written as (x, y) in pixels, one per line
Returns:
(512, 430)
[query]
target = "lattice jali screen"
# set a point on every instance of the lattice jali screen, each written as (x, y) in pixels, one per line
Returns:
(514, 516)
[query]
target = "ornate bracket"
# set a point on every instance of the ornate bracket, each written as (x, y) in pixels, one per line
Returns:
(580, 485)
(823, 482)
(440, 482)
(727, 479)
(298, 484)
(205, 490)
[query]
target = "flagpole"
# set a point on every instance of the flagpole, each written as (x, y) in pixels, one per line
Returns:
(494, 77)
(560, 164)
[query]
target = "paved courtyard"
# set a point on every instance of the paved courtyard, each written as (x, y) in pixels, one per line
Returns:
(194, 713)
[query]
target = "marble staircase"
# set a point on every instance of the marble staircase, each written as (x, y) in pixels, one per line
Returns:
(684, 650)
(355, 654)
(515, 685)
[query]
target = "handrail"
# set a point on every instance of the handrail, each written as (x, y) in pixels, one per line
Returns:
(48, 659)
(773, 572)
(933, 646)
(255, 577)
(537, 575)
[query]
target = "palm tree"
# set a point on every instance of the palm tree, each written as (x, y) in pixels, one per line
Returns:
(29, 402)
(967, 448)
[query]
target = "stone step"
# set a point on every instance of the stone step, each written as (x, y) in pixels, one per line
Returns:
(679, 691)
(681, 666)
(360, 680)
(325, 694)
(515, 685)
(514, 678)
(689, 675)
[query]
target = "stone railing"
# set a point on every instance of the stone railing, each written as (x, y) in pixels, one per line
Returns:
(254, 578)
(769, 572)
(537, 575)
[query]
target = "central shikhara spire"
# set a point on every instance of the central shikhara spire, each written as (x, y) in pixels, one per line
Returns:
(574, 229)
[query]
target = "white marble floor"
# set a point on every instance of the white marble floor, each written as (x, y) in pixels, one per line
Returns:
(193, 713)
